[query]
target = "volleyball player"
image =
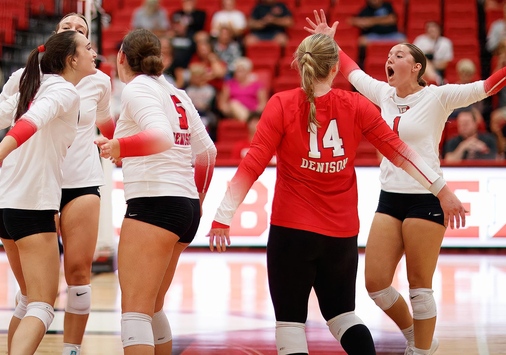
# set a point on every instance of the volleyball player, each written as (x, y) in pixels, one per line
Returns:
(314, 132)
(80, 203)
(408, 220)
(32, 154)
(168, 161)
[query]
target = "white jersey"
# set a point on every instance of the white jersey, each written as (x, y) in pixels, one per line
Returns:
(419, 119)
(151, 102)
(82, 167)
(31, 176)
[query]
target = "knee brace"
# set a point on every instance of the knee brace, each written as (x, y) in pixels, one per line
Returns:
(385, 298)
(136, 329)
(41, 310)
(161, 328)
(341, 323)
(423, 303)
(291, 338)
(21, 303)
(78, 299)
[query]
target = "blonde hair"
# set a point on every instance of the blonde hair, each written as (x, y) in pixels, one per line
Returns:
(316, 56)
(466, 65)
(244, 62)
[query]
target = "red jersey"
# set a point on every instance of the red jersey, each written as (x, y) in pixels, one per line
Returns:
(316, 185)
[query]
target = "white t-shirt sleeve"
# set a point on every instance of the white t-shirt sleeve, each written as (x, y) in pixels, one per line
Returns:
(8, 110)
(11, 87)
(102, 83)
(371, 88)
(53, 102)
(145, 108)
(454, 96)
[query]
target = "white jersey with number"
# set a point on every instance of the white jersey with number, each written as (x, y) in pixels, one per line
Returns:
(82, 167)
(31, 176)
(151, 102)
(418, 119)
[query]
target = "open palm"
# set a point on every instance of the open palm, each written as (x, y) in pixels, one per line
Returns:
(320, 24)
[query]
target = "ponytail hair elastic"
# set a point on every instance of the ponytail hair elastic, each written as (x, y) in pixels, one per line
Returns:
(41, 48)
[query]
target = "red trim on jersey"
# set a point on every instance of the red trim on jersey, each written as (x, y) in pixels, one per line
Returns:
(22, 130)
(144, 143)
(107, 128)
(495, 82)
(347, 64)
(204, 168)
(219, 225)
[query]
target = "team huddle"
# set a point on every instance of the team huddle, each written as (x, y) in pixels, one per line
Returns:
(51, 176)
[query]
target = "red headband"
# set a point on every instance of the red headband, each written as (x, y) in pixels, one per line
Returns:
(41, 48)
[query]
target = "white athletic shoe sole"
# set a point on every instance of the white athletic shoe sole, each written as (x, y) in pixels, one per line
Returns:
(433, 347)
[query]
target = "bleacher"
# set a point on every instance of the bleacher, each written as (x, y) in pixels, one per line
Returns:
(271, 62)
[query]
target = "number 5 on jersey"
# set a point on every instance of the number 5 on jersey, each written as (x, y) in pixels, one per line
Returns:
(183, 119)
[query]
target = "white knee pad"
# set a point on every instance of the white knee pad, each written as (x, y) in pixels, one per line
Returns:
(78, 299)
(385, 298)
(161, 328)
(423, 303)
(21, 303)
(291, 338)
(341, 323)
(43, 311)
(136, 329)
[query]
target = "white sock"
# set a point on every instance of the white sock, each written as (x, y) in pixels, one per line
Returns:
(409, 334)
(71, 349)
(417, 351)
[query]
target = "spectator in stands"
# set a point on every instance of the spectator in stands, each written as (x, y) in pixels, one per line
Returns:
(229, 17)
(168, 59)
(227, 48)
(216, 69)
(498, 115)
(438, 50)
(470, 143)
(466, 73)
(203, 96)
(151, 16)
(183, 48)
(377, 21)
(496, 33)
(243, 93)
(241, 148)
(269, 21)
(194, 19)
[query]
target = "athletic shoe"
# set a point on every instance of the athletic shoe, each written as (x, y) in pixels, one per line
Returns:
(433, 347)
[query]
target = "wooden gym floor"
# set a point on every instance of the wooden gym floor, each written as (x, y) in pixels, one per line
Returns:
(219, 304)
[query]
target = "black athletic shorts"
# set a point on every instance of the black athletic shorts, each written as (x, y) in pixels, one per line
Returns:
(68, 195)
(179, 215)
(402, 206)
(16, 224)
(298, 261)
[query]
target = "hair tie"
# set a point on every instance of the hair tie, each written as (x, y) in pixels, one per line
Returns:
(309, 53)
(41, 48)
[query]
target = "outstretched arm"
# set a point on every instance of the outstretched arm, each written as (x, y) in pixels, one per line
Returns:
(319, 25)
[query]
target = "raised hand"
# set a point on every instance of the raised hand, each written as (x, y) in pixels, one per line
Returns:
(320, 24)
